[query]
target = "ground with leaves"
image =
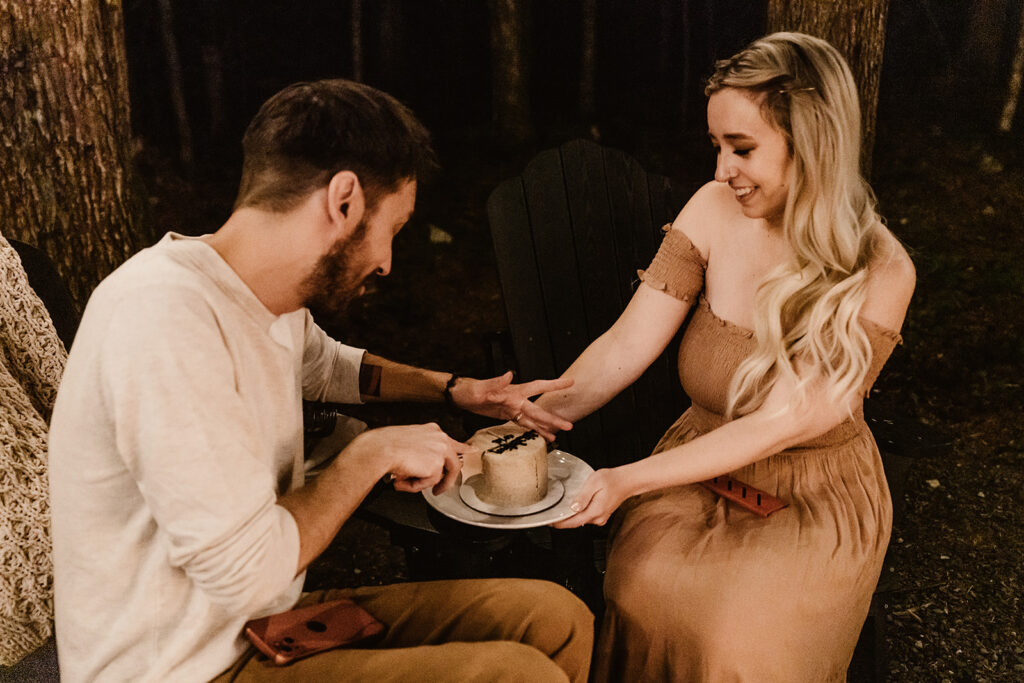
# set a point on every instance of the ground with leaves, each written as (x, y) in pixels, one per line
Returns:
(954, 575)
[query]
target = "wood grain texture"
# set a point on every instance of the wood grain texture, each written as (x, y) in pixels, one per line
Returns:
(569, 235)
(65, 144)
(857, 29)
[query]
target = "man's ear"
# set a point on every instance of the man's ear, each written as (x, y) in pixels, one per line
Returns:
(346, 202)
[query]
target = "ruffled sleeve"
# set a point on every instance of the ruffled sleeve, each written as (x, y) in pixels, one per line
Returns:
(882, 341)
(678, 267)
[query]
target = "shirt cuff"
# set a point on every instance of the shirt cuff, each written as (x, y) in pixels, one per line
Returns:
(345, 379)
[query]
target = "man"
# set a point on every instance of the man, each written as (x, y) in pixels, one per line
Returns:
(179, 510)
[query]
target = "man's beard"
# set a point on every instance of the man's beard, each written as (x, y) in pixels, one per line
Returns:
(335, 281)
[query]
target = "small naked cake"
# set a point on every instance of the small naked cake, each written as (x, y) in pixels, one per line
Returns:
(515, 467)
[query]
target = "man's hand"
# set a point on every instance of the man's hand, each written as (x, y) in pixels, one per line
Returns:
(498, 397)
(417, 456)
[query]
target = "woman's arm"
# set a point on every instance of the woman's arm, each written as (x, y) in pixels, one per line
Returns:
(619, 356)
(784, 420)
(787, 418)
(381, 379)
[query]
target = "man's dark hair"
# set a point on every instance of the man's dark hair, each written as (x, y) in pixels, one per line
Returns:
(308, 132)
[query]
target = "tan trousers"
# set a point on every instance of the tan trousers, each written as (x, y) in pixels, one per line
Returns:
(471, 630)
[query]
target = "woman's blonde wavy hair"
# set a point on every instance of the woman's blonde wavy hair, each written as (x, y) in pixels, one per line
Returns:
(809, 307)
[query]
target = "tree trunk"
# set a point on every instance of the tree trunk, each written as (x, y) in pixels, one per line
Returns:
(66, 180)
(1013, 89)
(588, 59)
(686, 81)
(176, 82)
(390, 45)
(211, 37)
(977, 59)
(357, 40)
(857, 29)
(508, 54)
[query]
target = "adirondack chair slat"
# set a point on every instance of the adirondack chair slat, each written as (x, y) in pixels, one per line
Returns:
(594, 236)
(631, 205)
(561, 286)
(556, 256)
(520, 280)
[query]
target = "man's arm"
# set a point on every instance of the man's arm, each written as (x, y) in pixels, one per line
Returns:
(381, 379)
(203, 463)
(338, 373)
(419, 456)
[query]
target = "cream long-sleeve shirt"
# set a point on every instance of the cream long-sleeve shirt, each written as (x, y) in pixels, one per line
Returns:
(177, 425)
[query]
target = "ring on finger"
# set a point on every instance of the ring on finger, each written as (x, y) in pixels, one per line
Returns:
(519, 414)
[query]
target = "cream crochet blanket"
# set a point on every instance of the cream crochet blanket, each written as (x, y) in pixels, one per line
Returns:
(31, 363)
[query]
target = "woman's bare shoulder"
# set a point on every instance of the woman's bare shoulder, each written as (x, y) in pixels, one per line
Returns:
(891, 282)
(704, 215)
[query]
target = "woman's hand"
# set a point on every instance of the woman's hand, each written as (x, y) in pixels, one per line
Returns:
(601, 495)
(499, 398)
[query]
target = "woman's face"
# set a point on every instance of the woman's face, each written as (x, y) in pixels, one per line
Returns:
(753, 156)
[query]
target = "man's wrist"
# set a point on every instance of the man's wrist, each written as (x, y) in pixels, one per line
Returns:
(364, 455)
(446, 393)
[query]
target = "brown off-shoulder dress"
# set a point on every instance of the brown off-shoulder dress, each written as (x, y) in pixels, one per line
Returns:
(700, 589)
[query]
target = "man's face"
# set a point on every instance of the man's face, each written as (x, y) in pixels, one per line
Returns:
(340, 276)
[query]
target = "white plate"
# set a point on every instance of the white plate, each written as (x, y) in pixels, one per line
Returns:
(562, 466)
(470, 489)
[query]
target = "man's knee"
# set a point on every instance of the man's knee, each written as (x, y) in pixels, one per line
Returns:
(505, 660)
(560, 626)
(557, 608)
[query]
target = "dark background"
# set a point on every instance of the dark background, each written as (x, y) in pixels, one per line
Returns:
(652, 57)
(949, 185)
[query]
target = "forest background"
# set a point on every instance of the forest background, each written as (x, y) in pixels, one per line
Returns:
(498, 80)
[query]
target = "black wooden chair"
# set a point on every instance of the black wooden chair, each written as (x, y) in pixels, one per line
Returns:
(569, 235)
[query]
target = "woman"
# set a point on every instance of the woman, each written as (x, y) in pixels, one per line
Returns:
(798, 292)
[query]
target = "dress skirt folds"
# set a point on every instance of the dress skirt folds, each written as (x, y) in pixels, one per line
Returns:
(699, 589)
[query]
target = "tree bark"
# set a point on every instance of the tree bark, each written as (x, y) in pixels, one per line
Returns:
(66, 180)
(357, 40)
(977, 59)
(687, 87)
(176, 82)
(211, 38)
(390, 44)
(588, 59)
(511, 104)
(857, 29)
(1013, 88)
